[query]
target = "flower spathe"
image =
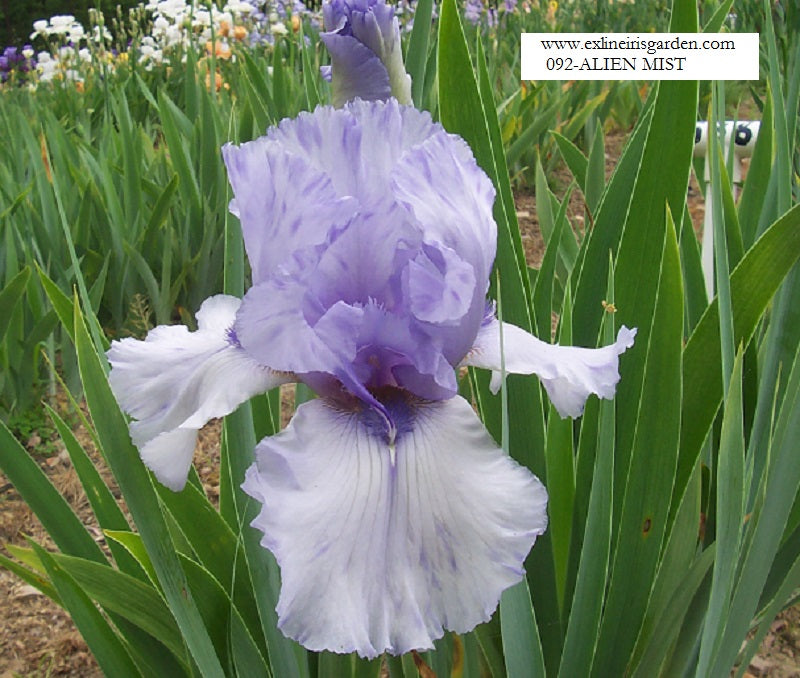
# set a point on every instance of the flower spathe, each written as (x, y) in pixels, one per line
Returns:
(392, 513)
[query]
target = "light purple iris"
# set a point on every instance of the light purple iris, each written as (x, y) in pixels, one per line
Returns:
(392, 513)
(363, 38)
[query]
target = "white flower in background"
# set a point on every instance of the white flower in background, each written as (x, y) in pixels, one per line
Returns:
(61, 23)
(101, 34)
(39, 28)
(47, 66)
(75, 33)
(238, 7)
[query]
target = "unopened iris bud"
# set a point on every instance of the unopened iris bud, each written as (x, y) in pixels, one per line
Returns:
(363, 38)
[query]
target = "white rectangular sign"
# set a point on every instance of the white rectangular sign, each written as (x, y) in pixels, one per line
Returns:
(639, 56)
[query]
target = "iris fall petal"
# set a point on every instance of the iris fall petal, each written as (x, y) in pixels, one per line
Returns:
(382, 547)
(569, 374)
(175, 381)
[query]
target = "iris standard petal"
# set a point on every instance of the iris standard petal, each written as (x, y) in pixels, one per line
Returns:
(175, 381)
(383, 545)
(283, 202)
(451, 197)
(356, 147)
(569, 374)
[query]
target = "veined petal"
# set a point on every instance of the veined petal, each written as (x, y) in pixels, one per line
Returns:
(175, 381)
(372, 24)
(356, 71)
(357, 146)
(382, 546)
(284, 203)
(440, 182)
(569, 374)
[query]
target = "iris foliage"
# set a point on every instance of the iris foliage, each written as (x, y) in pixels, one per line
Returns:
(673, 523)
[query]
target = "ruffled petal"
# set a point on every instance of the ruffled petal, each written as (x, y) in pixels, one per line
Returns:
(283, 202)
(569, 374)
(384, 546)
(356, 146)
(440, 286)
(175, 381)
(451, 198)
(279, 324)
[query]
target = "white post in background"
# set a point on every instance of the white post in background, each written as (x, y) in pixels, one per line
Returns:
(744, 141)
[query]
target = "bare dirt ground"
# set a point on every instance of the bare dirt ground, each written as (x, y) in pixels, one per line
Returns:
(38, 639)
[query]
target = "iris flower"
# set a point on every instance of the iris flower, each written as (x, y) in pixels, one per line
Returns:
(363, 39)
(391, 511)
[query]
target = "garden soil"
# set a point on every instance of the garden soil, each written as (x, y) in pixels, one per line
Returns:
(37, 638)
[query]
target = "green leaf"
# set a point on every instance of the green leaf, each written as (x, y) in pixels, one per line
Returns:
(10, 295)
(646, 491)
(309, 79)
(216, 546)
(132, 542)
(521, 646)
(586, 606)
(417, 54)
(605, 235)
(731, 498)
(142, 501)
(61, 303)
(756, 183)
(671, 623)
(128, 597)
(55, 514)
(753, 283)
(222, 618)
(766, 529)
(596, 171)
(109, 514)
(172, 119)
(106, 646)
(35, 578)
(574, 157)
(677, 559)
